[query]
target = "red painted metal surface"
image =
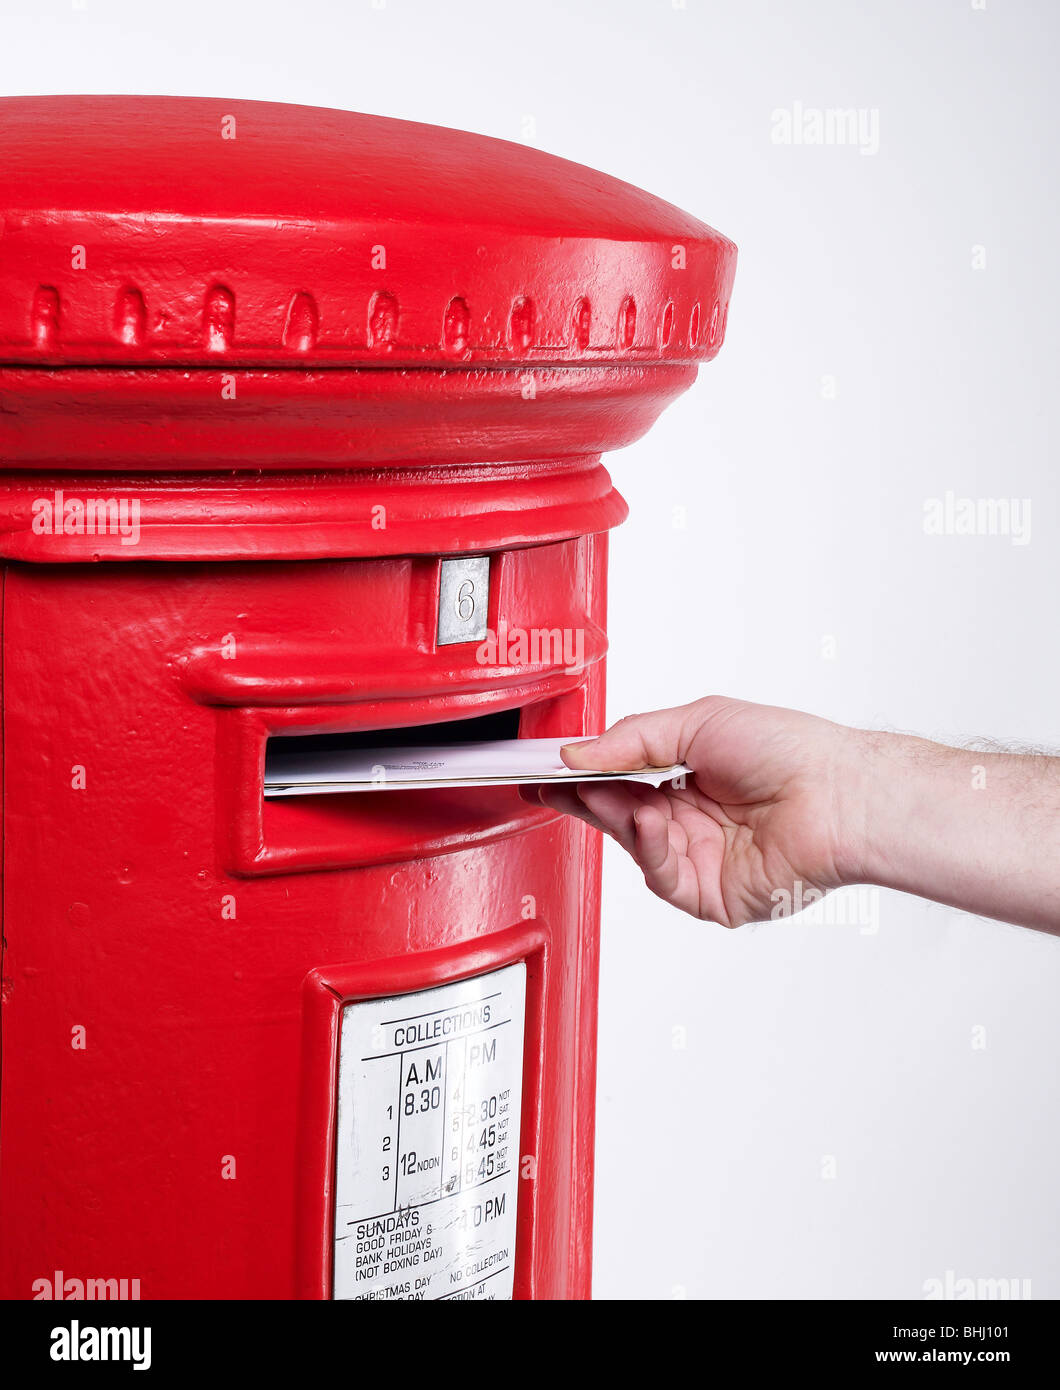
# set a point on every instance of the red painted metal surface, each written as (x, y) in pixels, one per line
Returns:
(308, 362)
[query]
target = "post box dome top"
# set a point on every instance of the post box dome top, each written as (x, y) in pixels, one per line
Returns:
(190, 231)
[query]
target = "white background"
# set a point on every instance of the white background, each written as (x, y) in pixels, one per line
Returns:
(809, 1047)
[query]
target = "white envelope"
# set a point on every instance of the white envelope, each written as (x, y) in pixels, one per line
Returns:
(505, 762)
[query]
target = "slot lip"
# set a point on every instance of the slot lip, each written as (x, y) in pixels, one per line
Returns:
(346, 835)
(327, 832)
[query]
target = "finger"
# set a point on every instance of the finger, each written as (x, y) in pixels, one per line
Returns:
(686, 871)
(639, 740)
(614, 805)
(660, 851)
(567, 801)
(655, 851)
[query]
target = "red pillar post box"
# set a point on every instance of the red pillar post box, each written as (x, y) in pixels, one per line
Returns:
(297, 409)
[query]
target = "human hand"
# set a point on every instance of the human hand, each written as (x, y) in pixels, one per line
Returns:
(782, 803)
(769, 805)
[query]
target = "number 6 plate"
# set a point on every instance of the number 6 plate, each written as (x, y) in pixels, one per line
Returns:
(463, 599)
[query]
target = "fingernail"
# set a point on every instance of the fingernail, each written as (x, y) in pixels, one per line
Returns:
(581, 743)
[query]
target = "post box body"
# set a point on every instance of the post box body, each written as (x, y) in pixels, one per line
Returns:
(179, 949)
(325, 1046)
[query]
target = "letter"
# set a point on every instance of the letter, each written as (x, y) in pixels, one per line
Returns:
(60, 1348)
(98, 516)
(115, 1344)
(129, 520)
(965, 519)
(42, 517)
(869, 917)
(546, 646)
(486, 651)
(813, 132)
(781, 899)
(992, 516)
(932, 516)
(228, 127)
(42, 1288)
(141, 1348)
(841, 126)
(74, 517)
(101, 1288)
(379, 257)
(678, 257)
(781, 131)
(869, 131)
(1021, 521)
(575, 659)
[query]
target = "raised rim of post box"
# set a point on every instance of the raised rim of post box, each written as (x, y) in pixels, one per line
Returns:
(331, 295)
(314, 472)
(343, 831)
(307, 236)
(326, 991)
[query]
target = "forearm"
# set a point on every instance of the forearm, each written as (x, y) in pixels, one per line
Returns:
(979, 831)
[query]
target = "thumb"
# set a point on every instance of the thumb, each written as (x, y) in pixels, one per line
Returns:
(639, 740)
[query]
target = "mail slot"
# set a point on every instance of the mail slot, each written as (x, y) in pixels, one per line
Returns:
(301, 416)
